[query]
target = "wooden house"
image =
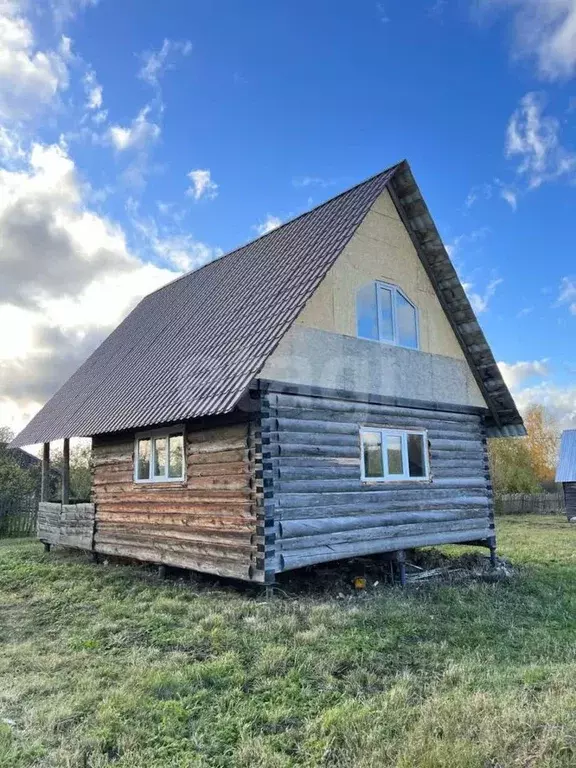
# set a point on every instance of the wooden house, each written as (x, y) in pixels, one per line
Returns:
(566, 471)
(322, 392)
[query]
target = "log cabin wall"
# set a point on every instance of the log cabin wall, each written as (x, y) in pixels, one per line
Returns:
(570, 499)
(324, 511)
(205, 523)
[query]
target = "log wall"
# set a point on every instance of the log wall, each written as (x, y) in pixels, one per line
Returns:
(205, 523)
(67, 525)
(324, 511)
(570, 499)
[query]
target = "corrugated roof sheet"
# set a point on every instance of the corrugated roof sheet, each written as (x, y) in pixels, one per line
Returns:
(191, 348)
(566, 471)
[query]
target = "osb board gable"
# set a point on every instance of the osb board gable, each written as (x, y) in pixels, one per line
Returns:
(381, 249)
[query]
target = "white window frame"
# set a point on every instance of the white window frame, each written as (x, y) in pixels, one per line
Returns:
(395, 432)
(178, 429)
(395, 290)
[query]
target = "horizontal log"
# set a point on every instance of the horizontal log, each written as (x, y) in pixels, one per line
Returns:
(332, 451)
(232, 455)
(214, 551)
(216, 446)
(426, 493)
(294, 528)
(316, 438)
(182, 560)
(353, 486)
(391, 417)
(226, 469)
(158, 506)
(288, 561)
(216, 434)
(229, 537)
(359, 535)
(460, 503)
(136, 491)
(280, 401)
(200, 522)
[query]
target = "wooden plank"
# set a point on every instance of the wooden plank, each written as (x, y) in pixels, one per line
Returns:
(66, 471)
(45, 477)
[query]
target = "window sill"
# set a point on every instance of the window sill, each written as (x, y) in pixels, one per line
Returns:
(156, 483)
(407, 481)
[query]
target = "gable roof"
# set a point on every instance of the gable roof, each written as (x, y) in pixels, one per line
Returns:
(566, 470)
(192, 347)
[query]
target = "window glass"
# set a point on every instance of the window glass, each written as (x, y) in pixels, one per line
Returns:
(159, 456)
(394, 454)
(386, 318)
(416, 461)
(176, 454)
(367, 313)
(406, 318)
(143, 471)
(372, 447)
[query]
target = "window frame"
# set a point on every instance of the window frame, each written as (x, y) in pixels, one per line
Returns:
(152, 434)
(394, 290)
(395, 432)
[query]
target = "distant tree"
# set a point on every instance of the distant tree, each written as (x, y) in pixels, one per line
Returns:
(15, 481)
(526, 464)
(6, 435)
(80, 469)
(542, 440)
(511, 466)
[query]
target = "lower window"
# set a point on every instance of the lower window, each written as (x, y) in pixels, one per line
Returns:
(394, 454)
(159, 456)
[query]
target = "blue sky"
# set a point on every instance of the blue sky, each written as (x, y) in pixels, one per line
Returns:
(139, 139)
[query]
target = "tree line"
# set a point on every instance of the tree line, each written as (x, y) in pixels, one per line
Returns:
(17, 481)
(526, 464)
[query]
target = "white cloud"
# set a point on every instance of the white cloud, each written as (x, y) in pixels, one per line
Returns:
(545, 30)
(311, 181)
(481, 300)
(533, 138)
(155, 63)
(269, 223)
(511, 197)
(177, 249)
(567, 293)
(138, 135)
(515, 374)
(68, 277)
(30, 79)
(202, 185)
(560, 401)
(93, 91)
(65, 10)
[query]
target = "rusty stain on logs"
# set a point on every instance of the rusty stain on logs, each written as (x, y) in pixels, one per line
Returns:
(207, 522)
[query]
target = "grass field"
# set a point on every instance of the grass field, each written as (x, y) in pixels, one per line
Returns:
(107, 666)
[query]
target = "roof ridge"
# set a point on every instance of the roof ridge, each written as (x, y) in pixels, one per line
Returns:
(276, 229)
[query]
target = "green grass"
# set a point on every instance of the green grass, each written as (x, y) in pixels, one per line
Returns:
(107, 666)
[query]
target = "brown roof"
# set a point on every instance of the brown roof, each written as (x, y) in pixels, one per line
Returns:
(192, 348)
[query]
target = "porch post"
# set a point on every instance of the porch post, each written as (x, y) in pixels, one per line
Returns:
(66, 471)
(45, 486)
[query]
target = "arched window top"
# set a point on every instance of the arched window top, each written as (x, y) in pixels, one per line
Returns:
(385, 313)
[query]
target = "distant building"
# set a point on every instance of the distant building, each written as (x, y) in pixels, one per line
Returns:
(566, 472)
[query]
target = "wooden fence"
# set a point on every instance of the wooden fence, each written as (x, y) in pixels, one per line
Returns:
(529, 504)
(18, 517)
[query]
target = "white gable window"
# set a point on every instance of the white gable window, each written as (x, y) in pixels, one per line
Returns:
(384, 313)
(394, 454)
(159, 456)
